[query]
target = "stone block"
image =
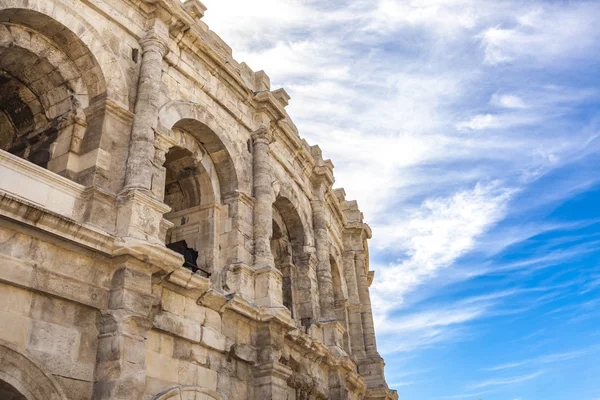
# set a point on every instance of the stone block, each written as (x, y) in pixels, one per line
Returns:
(178, 326)
(212, 320)
(15, 328)
(188, 373)
(207, 378)
(54, 339)
(14, 299)
(162, 367)
(173, 302)
(213, 339)
(194, 311)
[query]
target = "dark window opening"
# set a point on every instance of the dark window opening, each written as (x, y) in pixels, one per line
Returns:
(190, 256)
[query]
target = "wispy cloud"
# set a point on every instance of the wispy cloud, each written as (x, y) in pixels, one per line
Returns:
(506, 381)
(542, 360)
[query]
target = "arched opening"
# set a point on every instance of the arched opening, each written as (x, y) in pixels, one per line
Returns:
(189, 193)
(287, 247)
(8, 392)
(46, 83)
(192, 188)
(281, 248)
(189, 125)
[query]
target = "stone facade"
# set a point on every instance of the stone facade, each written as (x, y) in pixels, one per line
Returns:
(165, 233)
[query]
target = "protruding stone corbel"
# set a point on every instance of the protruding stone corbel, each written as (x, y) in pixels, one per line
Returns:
(195, 9)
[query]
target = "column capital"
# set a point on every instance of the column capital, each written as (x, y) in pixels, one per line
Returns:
(152, 42)
(262, 134)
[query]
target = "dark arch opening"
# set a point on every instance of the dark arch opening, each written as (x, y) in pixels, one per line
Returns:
(287, 246)
(65, 40)
(8, 392)
(215, 149)
(45, 83)
(186, 186)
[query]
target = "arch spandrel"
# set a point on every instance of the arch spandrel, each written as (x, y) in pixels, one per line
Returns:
(27, 376)
(188, 393)
(75, 35)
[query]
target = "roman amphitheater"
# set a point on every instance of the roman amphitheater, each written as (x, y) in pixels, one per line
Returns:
(165, 233)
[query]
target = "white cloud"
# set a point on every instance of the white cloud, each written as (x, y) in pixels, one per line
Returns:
(547, 34)
(507, 101)
(479, 122)
(433, 236)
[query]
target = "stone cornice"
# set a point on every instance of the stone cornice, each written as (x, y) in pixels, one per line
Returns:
(85, 235)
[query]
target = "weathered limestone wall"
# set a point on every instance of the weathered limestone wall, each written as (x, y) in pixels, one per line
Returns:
(164, 230)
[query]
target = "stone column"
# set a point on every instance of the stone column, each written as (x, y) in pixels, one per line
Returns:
(263, 194)
(267, 279)
(326, 298)
(121, 355)
(365, 301)
(139, 212)
(354, 311)
(141, 149)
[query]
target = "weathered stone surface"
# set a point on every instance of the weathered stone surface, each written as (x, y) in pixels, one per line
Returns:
(164, 230)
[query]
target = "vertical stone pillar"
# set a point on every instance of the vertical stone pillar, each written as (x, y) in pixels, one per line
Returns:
(365, 301)
(354, 309)
(141, 149)
(326, 298)
(121, 354)
(263, 194)
(267, 279)
(139, 212)
(270, 375)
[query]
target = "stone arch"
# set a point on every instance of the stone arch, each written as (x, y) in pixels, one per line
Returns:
(195, 119)
(289, 202)
(77, 38)
(42, 97)
(209, 181)
(27, 376)
(200, 170)
(340, 285)
(28, 46)
(188, 392)
(298, 282)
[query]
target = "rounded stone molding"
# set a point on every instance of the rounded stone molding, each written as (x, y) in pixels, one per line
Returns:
(26, 375)
(185, 392)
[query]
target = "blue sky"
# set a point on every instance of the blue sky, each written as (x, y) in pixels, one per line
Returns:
(468, 132)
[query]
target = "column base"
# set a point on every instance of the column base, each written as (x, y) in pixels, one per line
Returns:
(240, 279)
(267, 287)
(333, 337)
(140, 216)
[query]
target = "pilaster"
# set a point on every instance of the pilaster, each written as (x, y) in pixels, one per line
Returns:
(123, 327)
